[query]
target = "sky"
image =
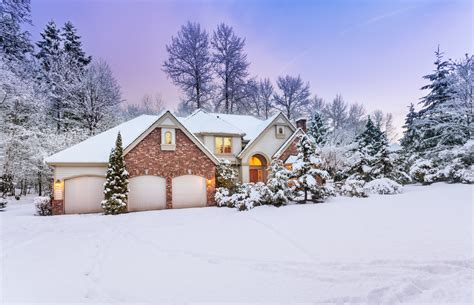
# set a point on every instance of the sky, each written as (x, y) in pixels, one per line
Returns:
(370, 52)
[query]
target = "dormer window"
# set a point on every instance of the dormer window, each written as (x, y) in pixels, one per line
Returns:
(280, 131)
(168, 141)
(223, 145)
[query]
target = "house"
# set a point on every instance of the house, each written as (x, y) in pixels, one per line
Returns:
(172, 160)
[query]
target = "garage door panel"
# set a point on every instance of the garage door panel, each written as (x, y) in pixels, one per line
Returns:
(146, 193)
(189, 191)
(83, 195)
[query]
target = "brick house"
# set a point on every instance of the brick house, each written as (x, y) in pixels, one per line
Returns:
(171, 160)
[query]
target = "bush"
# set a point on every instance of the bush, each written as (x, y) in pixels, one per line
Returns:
(226, 175)
(424, 171)
(43, 206)
(3, 203)
(383, 186)
(353, 188)
(245, 196)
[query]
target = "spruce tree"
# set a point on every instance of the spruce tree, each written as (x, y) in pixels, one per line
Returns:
(306, 167)
(73, 46)
(116, 184)
(226, 175)
(278, 183)
(318, 129)
(410, 139)
(49, 46)
(371, 139)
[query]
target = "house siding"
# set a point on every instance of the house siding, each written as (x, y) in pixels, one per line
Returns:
(147, 158)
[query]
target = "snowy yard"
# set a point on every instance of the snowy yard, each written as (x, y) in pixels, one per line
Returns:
(414, 247)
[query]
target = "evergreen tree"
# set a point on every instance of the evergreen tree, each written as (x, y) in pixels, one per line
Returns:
(410, 135)
(306, 167)
(49, 46)
(278, 183)
(226, 175)
(371, 139)
(73, 46)
(318, 129)
(382, 165)
(116, 184)
(14, 41)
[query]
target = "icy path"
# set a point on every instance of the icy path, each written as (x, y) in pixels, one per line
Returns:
(412, 248)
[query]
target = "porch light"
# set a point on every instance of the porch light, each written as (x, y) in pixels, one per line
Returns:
(209, 182)
(57, 182)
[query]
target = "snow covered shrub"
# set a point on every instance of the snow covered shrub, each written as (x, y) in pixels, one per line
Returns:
(116, 183)
(226, 175)
(278, 183)
(222, 197)
(43, 206)
(3, 203)
(353, 188)
(424, 171)
(384, 186)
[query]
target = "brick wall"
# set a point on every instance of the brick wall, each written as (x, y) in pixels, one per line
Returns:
(147, 158)
(290, 150)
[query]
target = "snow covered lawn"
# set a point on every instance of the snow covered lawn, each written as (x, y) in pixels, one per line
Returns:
(413, 247)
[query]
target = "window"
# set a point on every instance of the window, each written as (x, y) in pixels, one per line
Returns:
(280, 131)
(255, 161)
(168, 137)
(223, 145)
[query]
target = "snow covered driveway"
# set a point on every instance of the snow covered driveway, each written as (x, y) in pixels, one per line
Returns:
(414, 247)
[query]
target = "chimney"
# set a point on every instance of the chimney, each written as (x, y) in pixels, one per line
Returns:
(301, 123)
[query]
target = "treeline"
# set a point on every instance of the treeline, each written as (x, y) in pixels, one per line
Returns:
(52, 95)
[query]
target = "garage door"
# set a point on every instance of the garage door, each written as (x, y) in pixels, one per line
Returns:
(146, 193)
(83, 195)
(189, 191)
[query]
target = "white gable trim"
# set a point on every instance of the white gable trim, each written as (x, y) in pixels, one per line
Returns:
(165, 120)
(285, 145)
(280, 116)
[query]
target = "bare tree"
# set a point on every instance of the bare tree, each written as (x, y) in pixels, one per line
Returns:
(294, 95)
(315, 104)
(265, 97)
(230, 65)
(189, 64)
(97, 101)
(336, 112)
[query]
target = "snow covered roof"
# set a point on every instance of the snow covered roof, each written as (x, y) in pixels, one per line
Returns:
(96, 149)
(218, 123)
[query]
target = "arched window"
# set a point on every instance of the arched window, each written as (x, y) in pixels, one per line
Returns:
(168, 137)
(255, 161)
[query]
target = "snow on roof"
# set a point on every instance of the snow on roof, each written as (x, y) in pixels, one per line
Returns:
(97, 148)
(207, 122)
(291, 159)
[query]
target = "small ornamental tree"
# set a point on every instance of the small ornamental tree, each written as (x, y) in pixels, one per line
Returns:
(226, 175)
(317, 129)
(116, 184)
(306, 167)
(278, 183)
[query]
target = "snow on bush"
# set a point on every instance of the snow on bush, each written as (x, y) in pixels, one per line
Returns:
(353, 188)
(43, 206)
(423, 171)
(245, 197)
(383, 186)
(226, 175)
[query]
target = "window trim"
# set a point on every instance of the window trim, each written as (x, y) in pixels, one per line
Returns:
(164, 145)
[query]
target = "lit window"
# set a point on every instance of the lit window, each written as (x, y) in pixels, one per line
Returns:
(223, 145)
(255, 161)
(168, 137)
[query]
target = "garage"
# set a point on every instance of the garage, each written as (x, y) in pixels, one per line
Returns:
(189, 191)
(83, 195)
(146, 193)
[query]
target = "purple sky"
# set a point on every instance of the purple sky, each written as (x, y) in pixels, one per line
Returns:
(371, 52)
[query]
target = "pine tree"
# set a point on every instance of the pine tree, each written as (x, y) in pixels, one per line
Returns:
(226, 175)
(278, 183)
(14, 41)
(306, 167)
(318, 129)
(371, 139)
(49, 46)
(410, 136)
(116, 184)
(73, 46)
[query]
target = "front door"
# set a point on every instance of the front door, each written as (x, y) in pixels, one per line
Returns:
(257, 175)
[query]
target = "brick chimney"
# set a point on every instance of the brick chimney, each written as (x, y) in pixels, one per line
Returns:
(301, 123)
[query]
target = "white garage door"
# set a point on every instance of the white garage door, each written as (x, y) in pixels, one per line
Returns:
(189, 191)
(83, 195)
(146, 193)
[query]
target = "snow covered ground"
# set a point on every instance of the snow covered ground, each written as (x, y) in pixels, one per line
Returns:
(415, 247)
